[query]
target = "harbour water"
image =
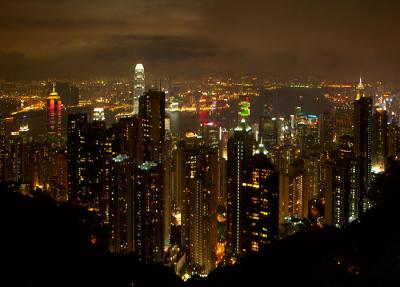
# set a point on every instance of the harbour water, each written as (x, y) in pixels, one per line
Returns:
(284, 102)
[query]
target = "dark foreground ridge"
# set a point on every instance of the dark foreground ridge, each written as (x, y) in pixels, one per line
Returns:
(45, 244)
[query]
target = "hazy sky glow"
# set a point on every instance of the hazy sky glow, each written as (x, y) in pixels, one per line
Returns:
(75, 38)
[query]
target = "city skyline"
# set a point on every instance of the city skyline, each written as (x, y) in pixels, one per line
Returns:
(199, 143)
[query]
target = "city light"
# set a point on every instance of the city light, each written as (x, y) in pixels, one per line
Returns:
(195, 143)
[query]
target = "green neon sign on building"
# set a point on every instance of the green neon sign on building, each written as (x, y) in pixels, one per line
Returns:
(244, 109)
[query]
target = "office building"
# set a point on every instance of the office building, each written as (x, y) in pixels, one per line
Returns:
(379, 141)
(363, 144)
(148, 192)
(138, 87)
(260, 216)
(240, 150)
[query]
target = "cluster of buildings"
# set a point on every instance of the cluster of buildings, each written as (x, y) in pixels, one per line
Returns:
(185, 200)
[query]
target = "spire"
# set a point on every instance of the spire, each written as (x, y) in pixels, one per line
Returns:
(54, 95)
(261, 149)
(360, 90)
(243, 126)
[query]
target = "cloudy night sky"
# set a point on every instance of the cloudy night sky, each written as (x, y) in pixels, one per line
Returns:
(188, 38)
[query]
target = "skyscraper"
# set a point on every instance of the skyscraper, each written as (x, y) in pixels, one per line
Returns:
(152, 126)
(199, 181)
(121, 204)
(342, 121)
(78, 159)
(149, 212)
(293, 200)
(327, 131)
(149, 183)
(379, 140)
(17, 168)
(363, 143)
(393, 141)
(53, 114)
(259, 226)
(98, 114)
(2, 148)
(139, 86)
(203, 229)
(240, 150)
(128, 137)
(342, 196)
(268, 131)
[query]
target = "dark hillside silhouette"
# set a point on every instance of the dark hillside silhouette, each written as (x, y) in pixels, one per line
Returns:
(45, 244)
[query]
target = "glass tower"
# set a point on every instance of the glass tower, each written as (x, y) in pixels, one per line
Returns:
(138, 87)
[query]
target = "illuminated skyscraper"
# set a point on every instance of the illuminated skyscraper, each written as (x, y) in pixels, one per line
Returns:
(293, 200)
(327, 131)
(342, 121)
(127, 131)
(312, 177)
(240, 149)
(98, 114)
(149, 184)
(78, 160)
(152, 126)
(149, 212)
(363, 143)
(2, 148)
(379, 141)
(17, 164)
(59, 182)
(53, 114)
(97, 139)
(139, 86)
(393, 141)
(268, 131)
(345, 197)
(259, 226)
(199, 181)
(121, 204)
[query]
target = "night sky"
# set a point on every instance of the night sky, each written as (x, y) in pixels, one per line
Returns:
(188, 38)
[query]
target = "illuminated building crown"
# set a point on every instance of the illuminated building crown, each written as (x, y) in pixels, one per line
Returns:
(53, 95)
(360, 90)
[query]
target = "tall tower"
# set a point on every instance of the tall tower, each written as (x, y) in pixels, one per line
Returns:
(138, 87)
(149, 212)
(2, 148)
(380, 140)
(199, 169)
(346, 200)
(269, 131)
(363, 143)
(393, 141)
(149, 188)
(152, 126)
(53, 115)
(78, 160)
(259, 226)
(121, 204)
(240, 149)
